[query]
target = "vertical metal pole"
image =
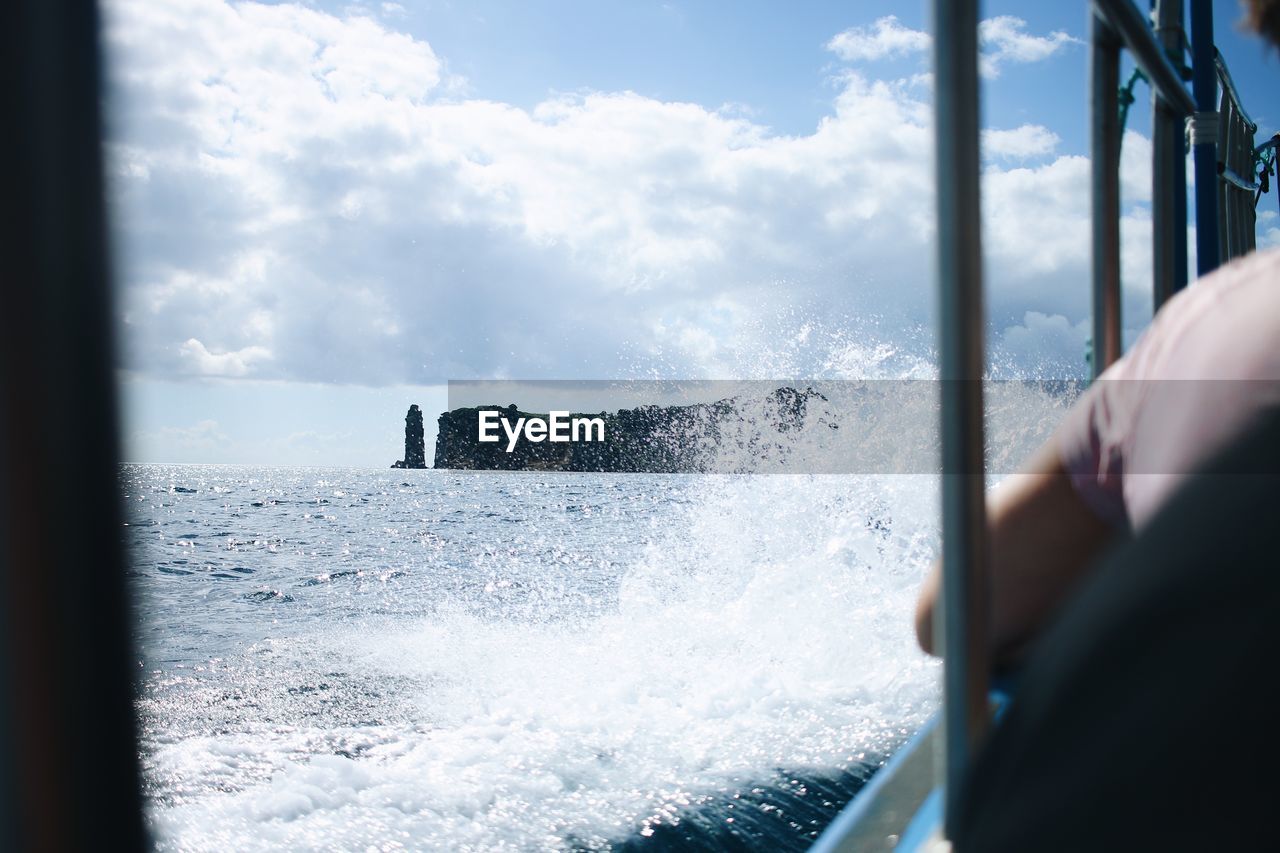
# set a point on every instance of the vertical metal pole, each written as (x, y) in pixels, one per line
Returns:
(1169, 169)
(963, 625)
(1180, 254)
(1105, 161)
(1228, 156)
(1223, 188)
(1247, 206)
(1204, 84)
(1231, 158)
(1244, 198)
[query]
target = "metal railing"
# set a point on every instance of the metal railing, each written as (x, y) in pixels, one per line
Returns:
(1237, 162)
(1204, 140)
(961, 629)
(1169, 165)
(1118, 25)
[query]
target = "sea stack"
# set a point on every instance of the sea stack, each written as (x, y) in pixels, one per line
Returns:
(415, 448)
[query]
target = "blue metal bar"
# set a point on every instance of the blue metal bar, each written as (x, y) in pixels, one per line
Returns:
(1168, 170)
(1204, 83)
(963, 623)
(1105, 164)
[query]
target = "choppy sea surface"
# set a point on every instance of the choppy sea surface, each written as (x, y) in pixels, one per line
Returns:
(433, 660)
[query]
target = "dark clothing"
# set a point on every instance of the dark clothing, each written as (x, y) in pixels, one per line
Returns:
(1146, 716)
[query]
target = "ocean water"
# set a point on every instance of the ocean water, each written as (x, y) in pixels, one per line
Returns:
(356, 659)
(472, 661)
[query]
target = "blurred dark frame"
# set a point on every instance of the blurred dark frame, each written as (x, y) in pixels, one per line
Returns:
(68, 748)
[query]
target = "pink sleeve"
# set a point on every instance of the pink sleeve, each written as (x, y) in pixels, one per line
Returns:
(1206, 366)
(1092, 440)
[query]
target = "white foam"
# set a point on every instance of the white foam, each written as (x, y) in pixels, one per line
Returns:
(768, 628)
(764, 626)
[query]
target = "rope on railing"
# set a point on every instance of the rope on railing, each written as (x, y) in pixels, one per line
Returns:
(1202, 128)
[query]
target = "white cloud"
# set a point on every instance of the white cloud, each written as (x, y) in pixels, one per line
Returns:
(1019, 143)
(205, 363)
(1004, 40)
(1268, 230)
(305, 197)
(885, 38)
(1046, 345)
(1036, 225)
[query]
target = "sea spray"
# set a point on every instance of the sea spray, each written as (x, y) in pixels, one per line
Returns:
(760, 624)
(488, 661)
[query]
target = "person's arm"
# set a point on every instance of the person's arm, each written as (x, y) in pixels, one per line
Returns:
(1042, 538)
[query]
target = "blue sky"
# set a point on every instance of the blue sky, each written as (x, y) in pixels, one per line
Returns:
(325, 211)
(763, 56)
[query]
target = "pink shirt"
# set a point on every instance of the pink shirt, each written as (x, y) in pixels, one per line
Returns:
(1200, 374)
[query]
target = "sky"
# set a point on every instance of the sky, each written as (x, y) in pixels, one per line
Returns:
(325, 211)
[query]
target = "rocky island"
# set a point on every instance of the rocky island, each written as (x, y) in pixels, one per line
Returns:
(415, 448)
(701, 437)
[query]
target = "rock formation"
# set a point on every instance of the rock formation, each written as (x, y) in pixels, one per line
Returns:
(415, 448)
(724, 436)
